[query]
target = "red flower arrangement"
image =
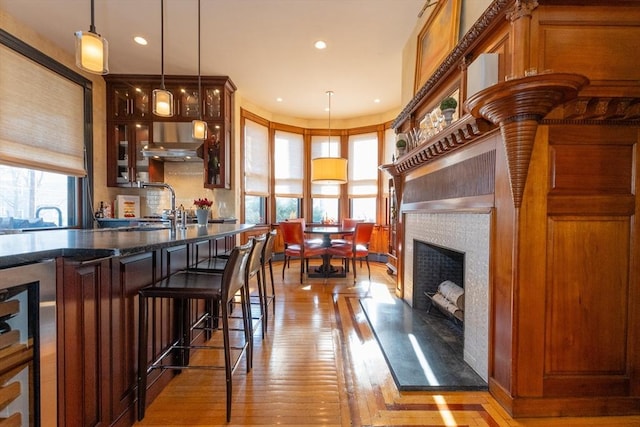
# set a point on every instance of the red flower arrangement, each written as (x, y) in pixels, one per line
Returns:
(203, 203)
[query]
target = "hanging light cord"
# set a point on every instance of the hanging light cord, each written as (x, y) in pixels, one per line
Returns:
(329, 92)
(92, 27)
(162, 44)
(199, 79)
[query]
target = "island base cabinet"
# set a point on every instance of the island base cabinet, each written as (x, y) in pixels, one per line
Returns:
(98, 339)
(83, 342)
(98, 333)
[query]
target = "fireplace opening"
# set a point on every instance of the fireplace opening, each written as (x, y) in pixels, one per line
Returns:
(438, 271)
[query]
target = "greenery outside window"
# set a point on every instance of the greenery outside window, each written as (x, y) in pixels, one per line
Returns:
(255, 209)
(325, 208)
(287, 208)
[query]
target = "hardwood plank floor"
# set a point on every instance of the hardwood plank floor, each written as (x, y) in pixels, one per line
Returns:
(320, 365)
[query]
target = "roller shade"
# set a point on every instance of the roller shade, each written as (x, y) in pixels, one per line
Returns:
(256, 159)
(41, 117)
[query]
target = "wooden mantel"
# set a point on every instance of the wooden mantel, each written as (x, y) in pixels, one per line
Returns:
(517, 106)
(565, 245)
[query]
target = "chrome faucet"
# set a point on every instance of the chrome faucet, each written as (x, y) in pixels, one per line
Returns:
(174, 217)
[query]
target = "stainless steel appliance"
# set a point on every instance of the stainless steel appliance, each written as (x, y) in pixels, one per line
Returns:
(28, 386)
(172, 141)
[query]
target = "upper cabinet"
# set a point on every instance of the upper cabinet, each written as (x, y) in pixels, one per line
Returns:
(130, 101)
(129, 110)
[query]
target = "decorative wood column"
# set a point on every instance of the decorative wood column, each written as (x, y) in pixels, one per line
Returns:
(517, 106)
(520, 39)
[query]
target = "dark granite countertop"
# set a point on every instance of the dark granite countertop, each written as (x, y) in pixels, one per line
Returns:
(28, 247)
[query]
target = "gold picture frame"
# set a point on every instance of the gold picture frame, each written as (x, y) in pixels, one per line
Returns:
(436, 39)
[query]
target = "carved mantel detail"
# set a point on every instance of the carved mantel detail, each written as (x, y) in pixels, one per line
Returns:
(518, 106)
(458, 134)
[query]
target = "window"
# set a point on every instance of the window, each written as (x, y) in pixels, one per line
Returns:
(325, 197)
(325, 209)
(363, 176)
(288, 171)
(254, 209)
(287, 208)
(34, 199)
(256, 172)
(364, 208)
(45, 149)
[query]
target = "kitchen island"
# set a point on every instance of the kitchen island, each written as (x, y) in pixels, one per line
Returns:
(97, 277)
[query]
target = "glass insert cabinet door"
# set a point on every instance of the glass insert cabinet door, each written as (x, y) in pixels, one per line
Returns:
(130, 101)
(214, 153)
(188, 102)
(130, 165)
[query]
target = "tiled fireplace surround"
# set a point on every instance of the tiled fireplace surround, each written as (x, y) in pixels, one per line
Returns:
(468, 233)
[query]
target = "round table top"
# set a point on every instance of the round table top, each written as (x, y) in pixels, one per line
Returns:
(329, 229)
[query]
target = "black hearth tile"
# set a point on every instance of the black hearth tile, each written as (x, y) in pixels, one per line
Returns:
(423, 350)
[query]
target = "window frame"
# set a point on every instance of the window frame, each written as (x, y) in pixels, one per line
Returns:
(80, 189)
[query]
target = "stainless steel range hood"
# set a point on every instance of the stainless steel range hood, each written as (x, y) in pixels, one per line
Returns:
(172, 141)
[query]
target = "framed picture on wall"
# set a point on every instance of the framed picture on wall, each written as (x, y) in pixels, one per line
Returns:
(436, 39)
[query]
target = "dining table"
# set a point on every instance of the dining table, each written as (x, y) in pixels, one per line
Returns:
(327, 231)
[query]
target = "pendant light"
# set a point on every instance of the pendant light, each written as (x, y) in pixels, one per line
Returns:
(92, 50)
(329, 170)
(162, 98)
(199, 127)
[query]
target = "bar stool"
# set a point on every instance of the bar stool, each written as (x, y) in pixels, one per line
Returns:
(267, 260)
(254, 269)
(184, 287)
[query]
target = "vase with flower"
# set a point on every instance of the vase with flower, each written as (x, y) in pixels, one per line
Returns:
(203, 207)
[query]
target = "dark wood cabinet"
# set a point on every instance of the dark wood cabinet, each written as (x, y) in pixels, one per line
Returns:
(130, 125)
(129, 275)
(83, 343)
(98, 330)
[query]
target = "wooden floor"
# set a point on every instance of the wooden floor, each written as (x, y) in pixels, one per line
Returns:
(320, 365)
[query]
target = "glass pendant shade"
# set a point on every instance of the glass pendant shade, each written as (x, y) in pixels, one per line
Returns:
(162, 103)
(199, 129)
(92, 52)
(329, 170)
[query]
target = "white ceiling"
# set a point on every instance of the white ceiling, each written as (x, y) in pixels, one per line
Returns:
(265, 46)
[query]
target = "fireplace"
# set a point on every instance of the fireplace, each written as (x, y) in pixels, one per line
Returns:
(433, 265)
(468, 235)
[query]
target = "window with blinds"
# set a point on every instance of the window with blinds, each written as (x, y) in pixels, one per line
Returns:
(362, 186)
(42, 119)
(256, 172)
(45, 140)
(288, 171)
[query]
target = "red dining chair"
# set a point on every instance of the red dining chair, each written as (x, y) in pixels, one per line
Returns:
(296, 246)
(358, 248)
(346, 238)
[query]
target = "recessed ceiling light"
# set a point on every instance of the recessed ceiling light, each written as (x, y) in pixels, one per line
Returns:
(320, 44)
(278, 99)
(140, 40)
(377, 100)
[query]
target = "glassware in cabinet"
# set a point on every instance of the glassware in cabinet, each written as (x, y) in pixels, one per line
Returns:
(130, 101)
(212, 103)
